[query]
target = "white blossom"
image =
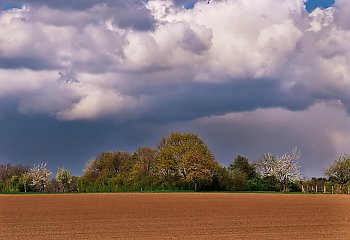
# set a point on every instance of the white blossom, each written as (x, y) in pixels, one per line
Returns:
(284, 168)
(40, 175)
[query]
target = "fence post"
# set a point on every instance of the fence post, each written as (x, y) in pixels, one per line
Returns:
(332, 189)
(316, 188)
(324, 188)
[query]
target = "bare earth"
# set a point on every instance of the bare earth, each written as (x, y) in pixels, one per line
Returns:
(174, 216)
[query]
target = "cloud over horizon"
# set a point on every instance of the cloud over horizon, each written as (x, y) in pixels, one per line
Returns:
(159, 62)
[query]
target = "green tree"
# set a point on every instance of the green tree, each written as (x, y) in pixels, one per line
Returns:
(239, 180)
(106, 165)
(340, 169)
(7, 171)
(26, 179)
(222, 180)
(14, 184)
(64, 177)
(242, 172)
(143, 171)
(185, 157)
(242, 165)
(107, 172)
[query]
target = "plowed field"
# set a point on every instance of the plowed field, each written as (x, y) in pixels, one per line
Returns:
(174, 216)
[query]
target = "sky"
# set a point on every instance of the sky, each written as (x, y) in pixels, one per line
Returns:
(249, 77)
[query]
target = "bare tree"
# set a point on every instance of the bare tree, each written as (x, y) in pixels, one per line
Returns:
(40, 175)
(284, 168)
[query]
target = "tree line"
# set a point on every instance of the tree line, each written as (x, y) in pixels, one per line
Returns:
(180, 162)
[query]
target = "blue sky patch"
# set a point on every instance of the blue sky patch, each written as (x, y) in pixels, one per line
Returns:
(313, 4)
(190, 4)
(7, 5)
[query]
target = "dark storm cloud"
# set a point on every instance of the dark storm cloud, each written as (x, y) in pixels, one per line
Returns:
(315, 131)
(126, 14)
(135, 18)
(37, 138)
(29, 63)
(212, 99)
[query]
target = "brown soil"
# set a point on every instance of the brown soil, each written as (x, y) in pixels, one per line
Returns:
(174, 216)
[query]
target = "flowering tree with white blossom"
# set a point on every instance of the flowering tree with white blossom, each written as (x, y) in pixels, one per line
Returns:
(40, 175)
(284, 168)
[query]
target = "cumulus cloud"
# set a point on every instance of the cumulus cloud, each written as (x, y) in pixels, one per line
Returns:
(35, 92)
(114, 58)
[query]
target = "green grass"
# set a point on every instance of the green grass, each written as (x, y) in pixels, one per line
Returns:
(151, 191)
(160, 191)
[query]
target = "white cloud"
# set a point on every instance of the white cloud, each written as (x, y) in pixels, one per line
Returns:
(96, 103)
(321, 18)
(186, 51)
(342, 8)
(38, 92)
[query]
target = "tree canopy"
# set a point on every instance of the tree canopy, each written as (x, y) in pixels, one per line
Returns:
(186, 157)
(340, 169)
(284, 168)
(65, 177)
(181, 161)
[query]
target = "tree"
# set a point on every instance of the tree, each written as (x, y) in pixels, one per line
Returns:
(40, 176)
(239, 180)
(7, 171)
(26, 179)
(64, 177)
(340, 169)
(187, 158)
(242, 165)
(240, 171)
(107, 164)
(143, 170)
(106, 172)
(284, 168)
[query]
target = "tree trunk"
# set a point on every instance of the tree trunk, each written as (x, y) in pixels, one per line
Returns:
(285, 185)
(43, 187)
